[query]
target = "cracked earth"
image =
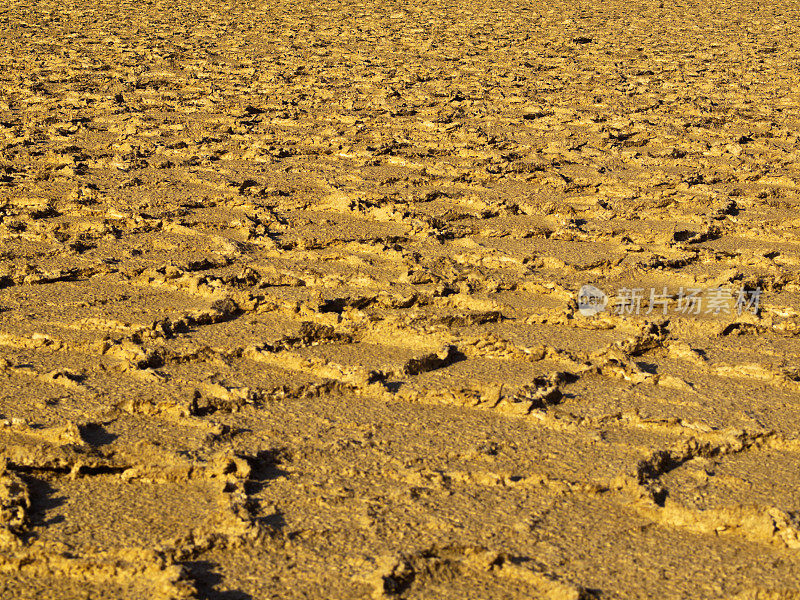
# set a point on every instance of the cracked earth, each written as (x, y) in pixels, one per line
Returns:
(288, 300)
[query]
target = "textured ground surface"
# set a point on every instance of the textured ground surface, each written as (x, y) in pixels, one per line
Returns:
(288, 302)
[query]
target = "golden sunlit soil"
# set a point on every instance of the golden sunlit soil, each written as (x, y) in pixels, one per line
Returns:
(290, 304)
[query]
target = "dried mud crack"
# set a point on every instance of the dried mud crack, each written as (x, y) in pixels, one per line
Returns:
(293, 300)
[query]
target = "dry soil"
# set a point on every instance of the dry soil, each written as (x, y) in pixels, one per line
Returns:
(289, 299)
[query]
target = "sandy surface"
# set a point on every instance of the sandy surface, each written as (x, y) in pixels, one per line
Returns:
(289, 300)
